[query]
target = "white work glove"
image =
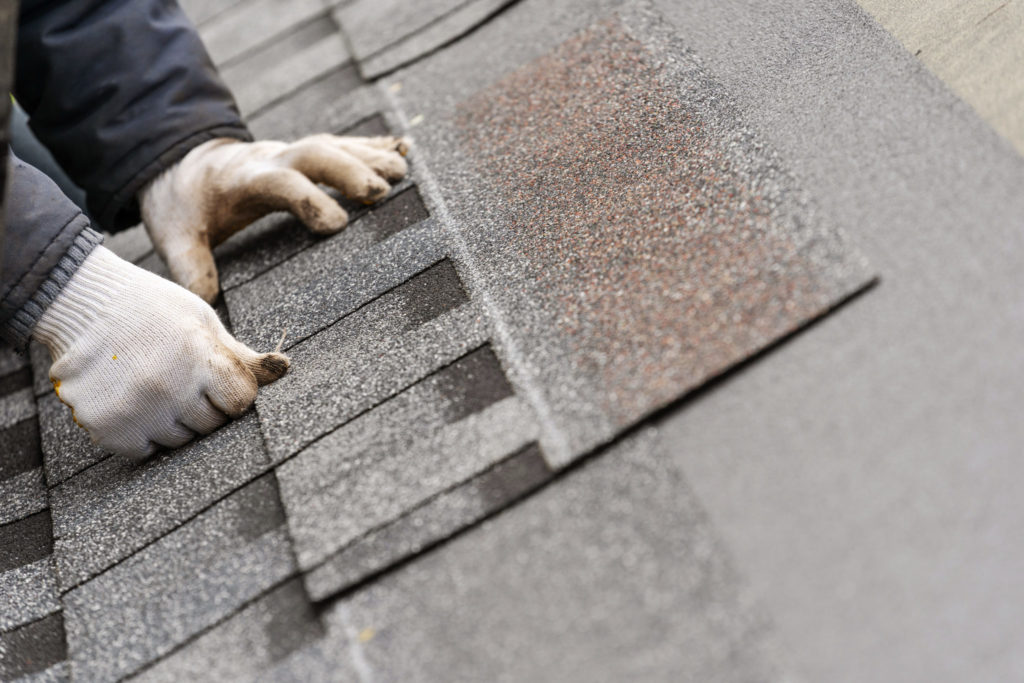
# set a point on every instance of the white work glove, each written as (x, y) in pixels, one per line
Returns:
(223, 185)
(142, 362)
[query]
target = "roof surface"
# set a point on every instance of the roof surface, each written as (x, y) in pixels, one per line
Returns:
(602, 391)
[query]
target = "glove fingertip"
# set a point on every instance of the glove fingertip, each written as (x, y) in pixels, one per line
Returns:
(270, 367)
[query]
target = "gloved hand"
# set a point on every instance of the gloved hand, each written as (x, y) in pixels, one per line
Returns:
(143, 362)
(223, 185)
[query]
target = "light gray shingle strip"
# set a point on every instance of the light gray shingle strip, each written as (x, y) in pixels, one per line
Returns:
(369, 356)
(435, 520)
(329, 105)
(279, 236)
(387, 34)
(404, 451)
(16, 407)
(22, 495)
(430, 37)
(35, 651)
(11, 360)
(322, 284)
(249, 25)
(277, 637)
(285, 65)
(185, 582)
(39, 357)
(201, 11)
(27, 593)
(112, 509)
(66, 446)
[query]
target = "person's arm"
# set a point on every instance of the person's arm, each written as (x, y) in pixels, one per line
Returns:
(118, 91)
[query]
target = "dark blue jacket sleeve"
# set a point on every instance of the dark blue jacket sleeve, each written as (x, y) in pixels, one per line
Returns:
(118, 90)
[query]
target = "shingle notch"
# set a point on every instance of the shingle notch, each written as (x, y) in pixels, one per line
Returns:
(19, 448)
(32, 648)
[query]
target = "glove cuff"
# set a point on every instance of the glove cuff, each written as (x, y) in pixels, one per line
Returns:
(82, 301)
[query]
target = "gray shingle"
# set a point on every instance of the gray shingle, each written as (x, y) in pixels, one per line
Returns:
(387, 35)
(40, 359)
(331, 104)
(279, 236)
(15, 380)
(17, 406)
(325, 283)
(201, 11)
(132, 244)
(367, 357)
(183, 583)
(33, 651)
(248, 25)
(22, 495)
(285, 65)
(66, 446)
(11, 360)
(19, 448)
(432, 521)
(275, 638)
(437, 434)
(114, 508)
(27, 593)
(634, 237)
(613, 573)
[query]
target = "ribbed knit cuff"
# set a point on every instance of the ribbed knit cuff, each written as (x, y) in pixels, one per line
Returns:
(83, 300)
(18, 329)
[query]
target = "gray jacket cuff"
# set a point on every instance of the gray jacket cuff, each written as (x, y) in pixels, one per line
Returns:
(18, 328)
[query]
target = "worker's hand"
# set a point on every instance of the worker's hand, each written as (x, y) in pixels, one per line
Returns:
(224, 185)
(143, 362)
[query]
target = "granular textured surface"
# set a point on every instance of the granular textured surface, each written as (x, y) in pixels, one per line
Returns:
(656, 242)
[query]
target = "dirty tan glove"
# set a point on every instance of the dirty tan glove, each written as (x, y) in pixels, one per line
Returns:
(143, 362)
(224, 185)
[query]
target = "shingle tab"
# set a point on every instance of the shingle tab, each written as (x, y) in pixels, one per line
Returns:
(11, 360)
(26, 540)
(40, 359)
(441, 432)
(268, 640)
(430, 522)
(207, 570)
(285, 65)
(248, 25)
(365, 358)
(66, 446)
(19, 448)
(386, 34)
(22, 495)
(17, 406)
(114, 508)
(27, 593)
(330, 104)
(279, 236)
(319, 286)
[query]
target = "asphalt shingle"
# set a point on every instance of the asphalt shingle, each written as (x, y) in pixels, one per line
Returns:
(40, 360)
(26, 540)
(386, 35)
(275, 638)
(207, 569)
(439, 433)
(331, 104)
(309, 52)
(248, 25)
(35, 651)
(66, 446)
(430, 522)
(16, 407)
(27, 593)
(369, 356)
(10, 361)
(201, 11)
(112, 509)
(322, 284)
(22, 495)
(279, 236)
